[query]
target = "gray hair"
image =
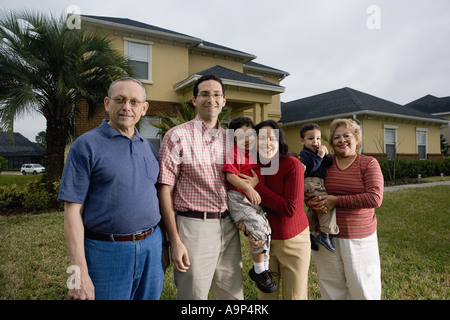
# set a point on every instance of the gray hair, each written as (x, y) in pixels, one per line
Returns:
(127, 79)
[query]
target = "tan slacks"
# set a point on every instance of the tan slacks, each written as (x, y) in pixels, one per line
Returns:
(290, 259)
(214, 250)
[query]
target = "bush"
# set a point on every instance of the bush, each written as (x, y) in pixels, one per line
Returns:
(395, 169)
(34, 197)
(10, 197)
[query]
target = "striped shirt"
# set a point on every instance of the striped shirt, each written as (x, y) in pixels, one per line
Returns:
(191, 159)
(360, 190)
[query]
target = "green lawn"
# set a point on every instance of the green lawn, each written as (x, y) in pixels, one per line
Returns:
(413, 233)
(19, 180)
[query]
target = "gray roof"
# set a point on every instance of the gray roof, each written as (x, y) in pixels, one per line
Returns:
(231, 78)
(138, 25)
(20, 147)
(431, 104)
(228, 74)
(193, 42)
(347, 102)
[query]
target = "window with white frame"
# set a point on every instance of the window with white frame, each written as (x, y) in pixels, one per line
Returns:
(150, 132)
(421, 134)
(139, 54)
(390, 141)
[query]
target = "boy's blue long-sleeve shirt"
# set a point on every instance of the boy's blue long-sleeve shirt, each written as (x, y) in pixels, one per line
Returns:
(315, 165)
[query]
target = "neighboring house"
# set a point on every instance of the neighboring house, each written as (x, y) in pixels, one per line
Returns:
(169, 63)
(389, 129)
(20, 150)
(436, 106)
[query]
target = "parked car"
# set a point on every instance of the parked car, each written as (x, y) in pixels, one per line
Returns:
(32, 168)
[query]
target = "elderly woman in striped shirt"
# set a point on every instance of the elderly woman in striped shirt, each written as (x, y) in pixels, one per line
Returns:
(355, 187)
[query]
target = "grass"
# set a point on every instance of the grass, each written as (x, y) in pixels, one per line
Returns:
(19, 180)
(413, 237)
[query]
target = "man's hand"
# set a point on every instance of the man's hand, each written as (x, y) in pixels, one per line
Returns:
(86, 290)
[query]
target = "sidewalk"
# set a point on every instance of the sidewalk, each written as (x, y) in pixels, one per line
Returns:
(416, 185)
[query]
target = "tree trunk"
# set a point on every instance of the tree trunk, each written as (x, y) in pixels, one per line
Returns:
(54, 164)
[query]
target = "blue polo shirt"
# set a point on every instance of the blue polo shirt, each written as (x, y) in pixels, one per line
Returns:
(114, 177)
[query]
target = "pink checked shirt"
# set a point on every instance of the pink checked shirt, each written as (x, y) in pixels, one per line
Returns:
(191, 159)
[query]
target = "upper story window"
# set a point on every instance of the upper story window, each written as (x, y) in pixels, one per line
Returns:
(421, 143)
(139, 54)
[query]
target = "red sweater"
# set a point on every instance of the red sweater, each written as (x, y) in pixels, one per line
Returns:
(282, 197)
(360, 190)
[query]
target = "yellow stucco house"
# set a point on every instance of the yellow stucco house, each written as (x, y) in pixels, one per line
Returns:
(389, 129)
(169, 63)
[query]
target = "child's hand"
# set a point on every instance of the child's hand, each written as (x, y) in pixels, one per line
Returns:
(323, 151)
(253, 196)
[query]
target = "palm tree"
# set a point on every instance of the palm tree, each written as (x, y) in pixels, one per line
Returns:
(48, 68)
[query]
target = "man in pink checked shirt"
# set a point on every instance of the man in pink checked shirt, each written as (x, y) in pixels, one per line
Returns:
(204, 241)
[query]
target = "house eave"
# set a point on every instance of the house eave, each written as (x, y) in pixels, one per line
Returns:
(191, 41)
(188, 82)
(365, 112)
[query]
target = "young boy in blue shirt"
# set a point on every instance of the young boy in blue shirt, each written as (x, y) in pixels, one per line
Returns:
(316, 158)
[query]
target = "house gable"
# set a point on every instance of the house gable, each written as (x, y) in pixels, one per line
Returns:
(375, 116)
(177, 60)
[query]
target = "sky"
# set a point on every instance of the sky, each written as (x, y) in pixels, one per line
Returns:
(393, 49)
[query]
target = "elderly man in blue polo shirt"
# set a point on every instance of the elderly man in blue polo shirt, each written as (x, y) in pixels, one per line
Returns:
(111, 210)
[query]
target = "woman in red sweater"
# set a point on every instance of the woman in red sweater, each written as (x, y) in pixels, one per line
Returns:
(355, 186)
(282, 199)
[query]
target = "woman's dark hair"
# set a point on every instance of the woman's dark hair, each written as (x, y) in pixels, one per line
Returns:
(239, 122)
(282, 144)
(205, 78)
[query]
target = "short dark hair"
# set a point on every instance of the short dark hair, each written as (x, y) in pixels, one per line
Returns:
(205, 78)
(282, 144)
(239, 122)
(307, 127)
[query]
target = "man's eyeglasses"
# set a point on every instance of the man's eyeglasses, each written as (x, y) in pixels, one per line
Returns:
(122, 101)
(216, 96)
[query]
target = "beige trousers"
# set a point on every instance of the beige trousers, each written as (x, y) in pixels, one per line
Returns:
(214, 250)
(290, 259)
(314, 187)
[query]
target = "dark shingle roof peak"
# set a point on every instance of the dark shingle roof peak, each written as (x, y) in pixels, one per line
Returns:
(345, 102)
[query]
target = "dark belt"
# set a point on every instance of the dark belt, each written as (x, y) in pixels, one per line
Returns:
(106, 237)
(201, 215)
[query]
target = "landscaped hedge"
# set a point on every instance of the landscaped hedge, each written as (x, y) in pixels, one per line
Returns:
(397, 169)
(33, 198)
(36, 198)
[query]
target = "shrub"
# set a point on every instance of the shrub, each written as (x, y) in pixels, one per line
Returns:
(395, 169)
(10, 197)
(36, 197)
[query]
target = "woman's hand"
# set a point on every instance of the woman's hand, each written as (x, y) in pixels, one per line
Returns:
(323, 204)
(253, 181)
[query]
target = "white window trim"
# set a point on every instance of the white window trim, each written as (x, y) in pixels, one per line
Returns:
(426, 140)
(150, 55)
(393, 127)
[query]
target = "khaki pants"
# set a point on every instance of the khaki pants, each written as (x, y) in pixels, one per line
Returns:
(290, 259)
(314, 187)
(214, 250)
